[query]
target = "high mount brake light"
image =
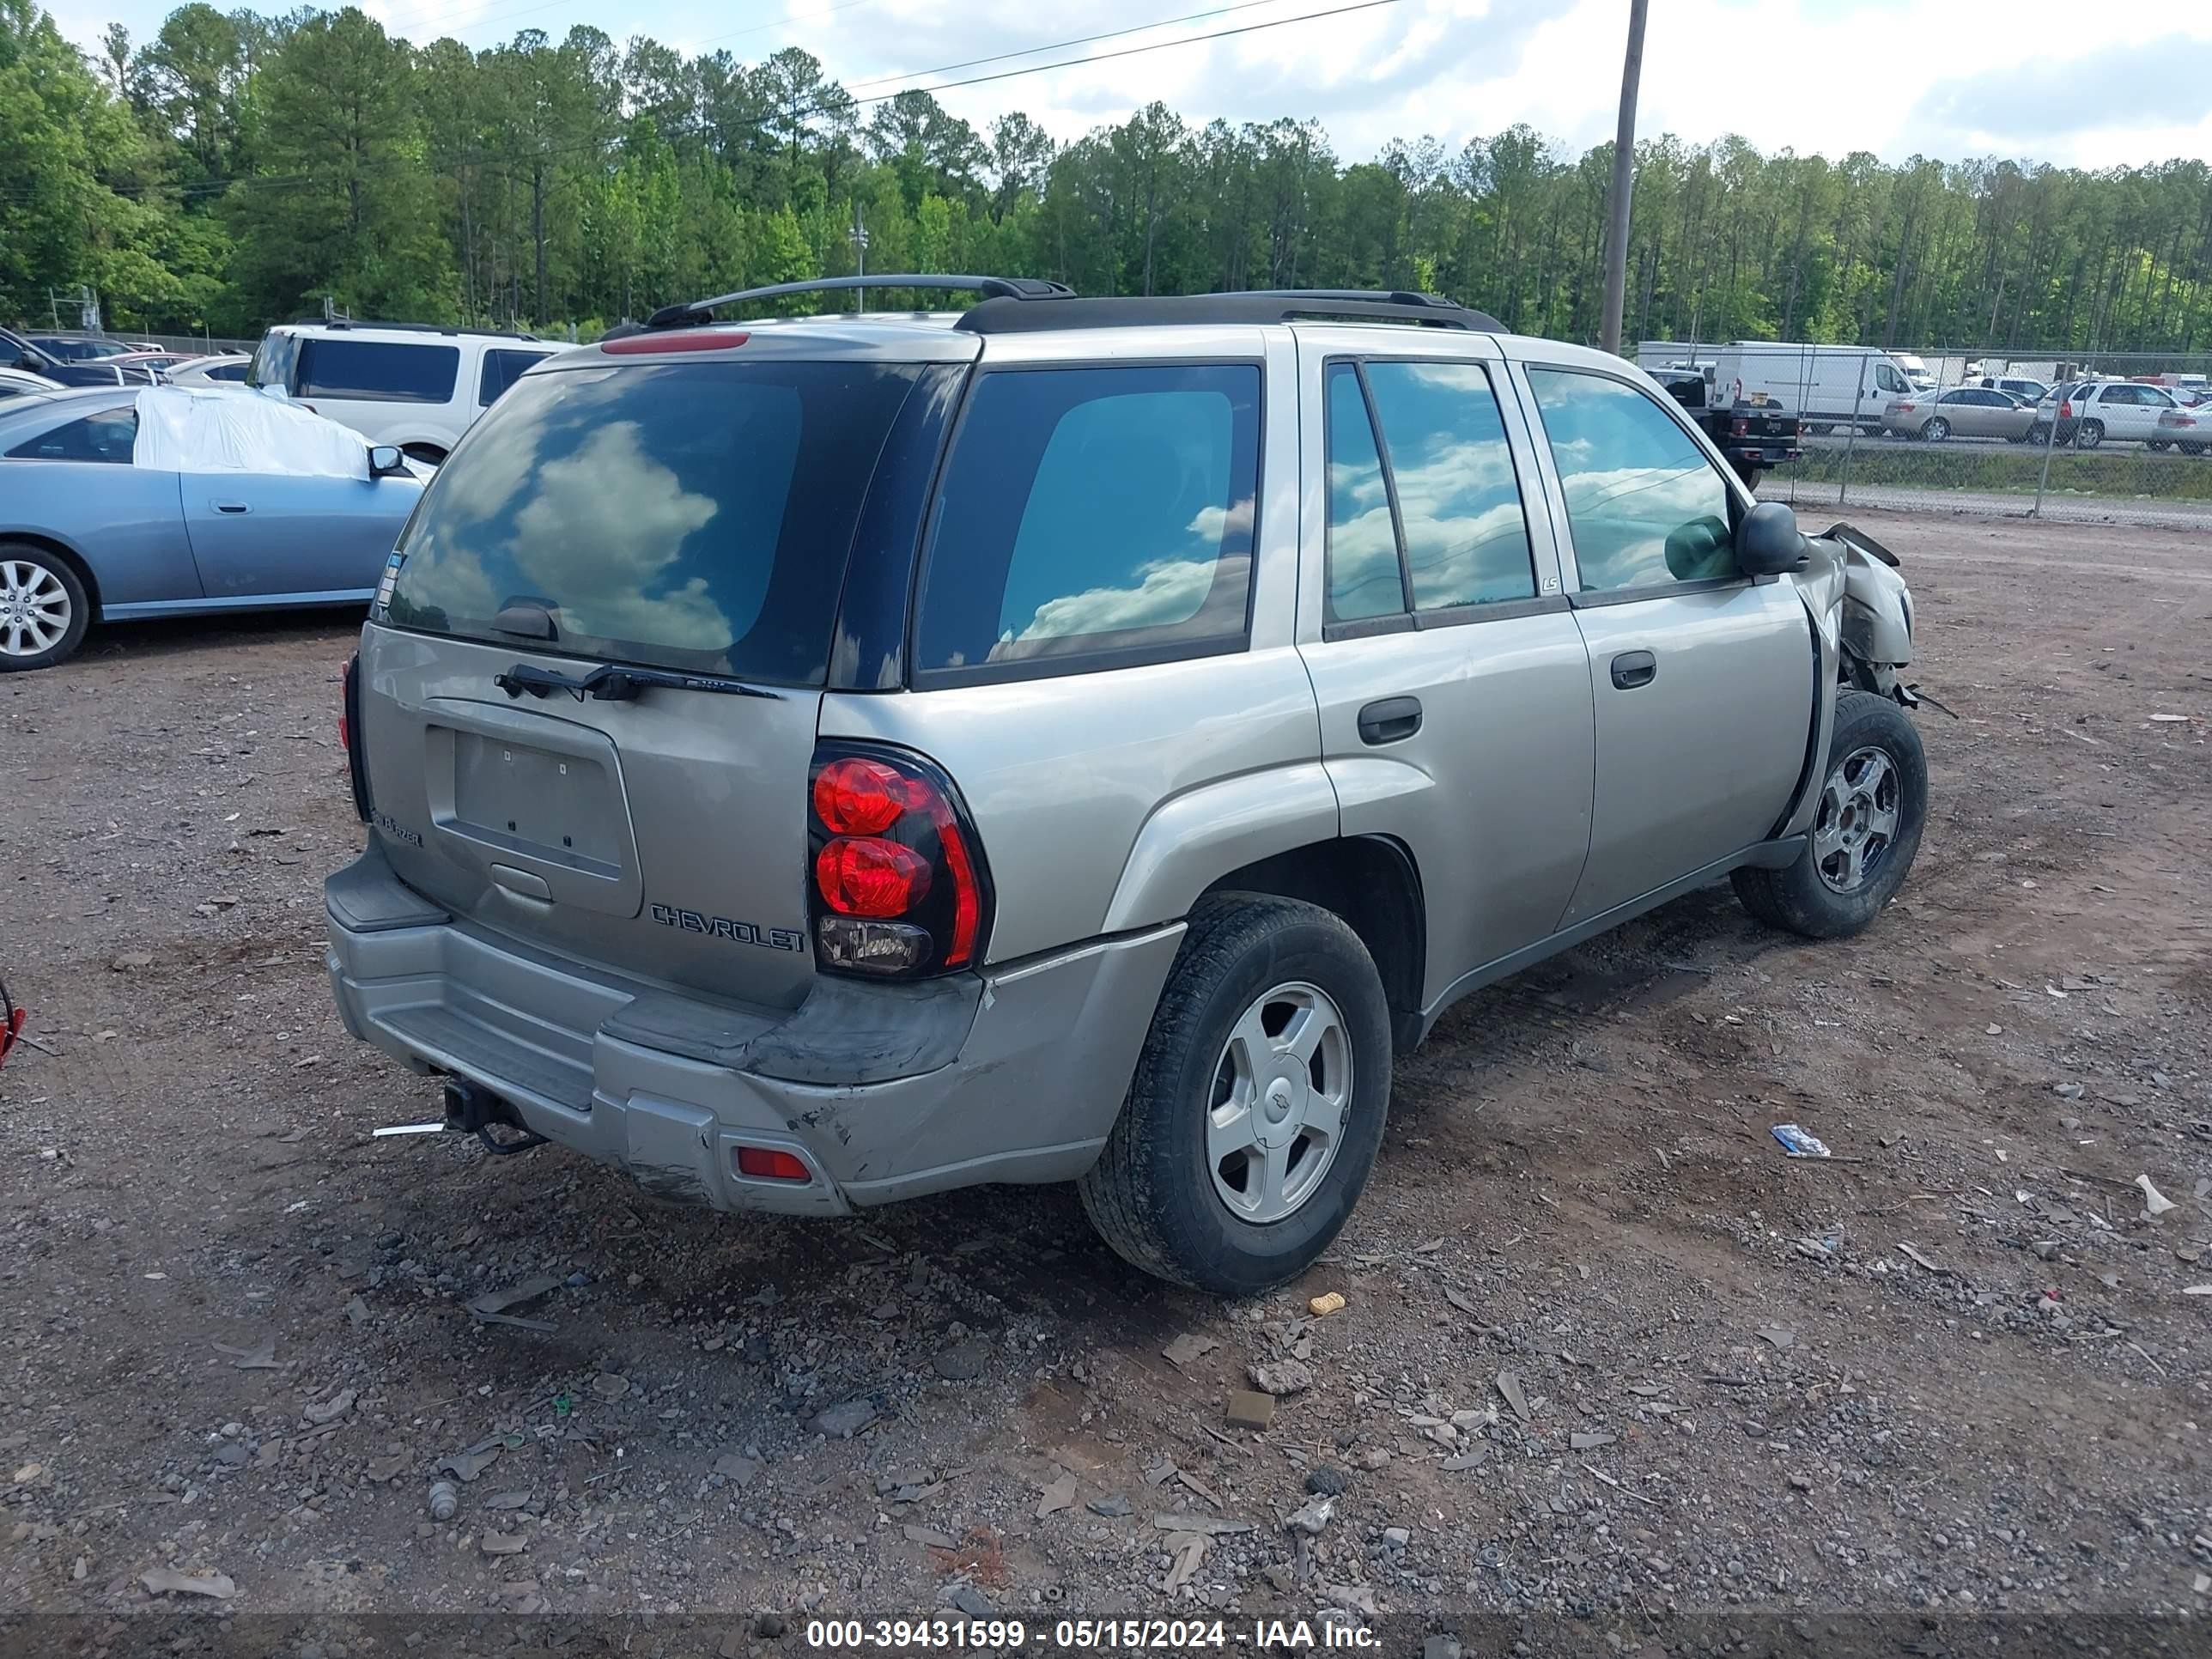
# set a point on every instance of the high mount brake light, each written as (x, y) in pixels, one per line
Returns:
(674, 340)
(899, 888)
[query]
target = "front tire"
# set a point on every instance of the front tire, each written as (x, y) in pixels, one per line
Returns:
(1258, 1104)
(1873, 800)
(44, 608)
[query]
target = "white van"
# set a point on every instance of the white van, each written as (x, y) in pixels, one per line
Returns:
(1827, 385)
(415, 384)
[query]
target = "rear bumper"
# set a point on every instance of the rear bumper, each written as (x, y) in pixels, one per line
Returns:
(883, 1091)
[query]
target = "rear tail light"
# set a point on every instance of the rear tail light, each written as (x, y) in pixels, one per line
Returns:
(2066, 411)
(898, 886)
(348, 734)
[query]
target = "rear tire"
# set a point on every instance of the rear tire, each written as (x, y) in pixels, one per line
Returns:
(2089, 434)
(2193, 449)
(1252, 970)
(2157, 445)
(1851, 866)
(43, 608)
(1937, 430)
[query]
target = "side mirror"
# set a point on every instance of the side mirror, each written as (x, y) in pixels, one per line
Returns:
(388, 461)
(1768, 541)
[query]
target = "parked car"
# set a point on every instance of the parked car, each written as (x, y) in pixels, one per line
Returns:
(79, 348)
(2189, 430)
(2089, 412)
(226, 369)
(1969, 411)
(416, 386)
(813, 763)
(2029, 390)
(15, 383)
(20, 354)
(91, 532)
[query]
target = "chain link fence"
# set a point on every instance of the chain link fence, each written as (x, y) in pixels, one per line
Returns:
(202, 344)
(2096, 437)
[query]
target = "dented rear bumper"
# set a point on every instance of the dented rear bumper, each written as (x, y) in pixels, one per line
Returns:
(883, 1091)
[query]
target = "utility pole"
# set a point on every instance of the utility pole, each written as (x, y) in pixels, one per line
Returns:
(858, 236)
(1624, 173)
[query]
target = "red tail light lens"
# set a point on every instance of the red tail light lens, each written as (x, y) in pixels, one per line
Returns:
(2065, 411)
(899, 884)
(857, 796)
(870, 877)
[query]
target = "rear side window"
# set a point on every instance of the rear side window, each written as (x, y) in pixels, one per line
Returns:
(501, 370)
(1467, 542)
(1432, 519)
(1364, 577)
(226, 371)
(1092, 517)
(381, 371)
(693, 516)
(112, 435)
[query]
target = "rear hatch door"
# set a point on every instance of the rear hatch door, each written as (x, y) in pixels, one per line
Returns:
(680, 530)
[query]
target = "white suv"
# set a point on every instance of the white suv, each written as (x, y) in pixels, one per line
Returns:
(414, 385)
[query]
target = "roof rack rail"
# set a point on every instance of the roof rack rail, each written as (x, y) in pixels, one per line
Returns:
(991, 287)
(409, 328)
(1254, 306)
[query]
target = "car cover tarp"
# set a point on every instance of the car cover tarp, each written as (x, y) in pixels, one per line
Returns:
(189, 429)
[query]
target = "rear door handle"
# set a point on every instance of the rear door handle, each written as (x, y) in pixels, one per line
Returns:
(231, 507)
(1391, 720)
(1633, 668)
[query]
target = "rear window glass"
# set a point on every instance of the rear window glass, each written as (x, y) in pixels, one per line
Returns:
(385, 371)
(694, 516)
(1099, 513)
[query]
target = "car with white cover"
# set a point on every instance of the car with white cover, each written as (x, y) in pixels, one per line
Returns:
(127, 503)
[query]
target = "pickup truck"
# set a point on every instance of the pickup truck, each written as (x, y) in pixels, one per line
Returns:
(1752, 430)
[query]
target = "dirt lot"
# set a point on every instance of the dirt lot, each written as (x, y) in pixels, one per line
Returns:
(1952, 1368)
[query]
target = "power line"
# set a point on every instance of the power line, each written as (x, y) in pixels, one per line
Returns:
(1083, 40)
(803, 111)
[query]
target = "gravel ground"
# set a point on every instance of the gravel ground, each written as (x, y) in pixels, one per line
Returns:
(1606, 1356)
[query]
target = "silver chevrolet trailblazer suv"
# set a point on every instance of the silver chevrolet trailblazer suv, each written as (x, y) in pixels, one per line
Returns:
(815, 763)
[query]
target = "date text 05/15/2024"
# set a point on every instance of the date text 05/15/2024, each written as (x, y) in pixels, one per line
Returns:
(1105, 1635)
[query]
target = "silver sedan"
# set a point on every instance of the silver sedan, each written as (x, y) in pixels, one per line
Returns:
(1968, 412)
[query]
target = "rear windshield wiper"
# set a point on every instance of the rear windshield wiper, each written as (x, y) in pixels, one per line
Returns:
(610, 683)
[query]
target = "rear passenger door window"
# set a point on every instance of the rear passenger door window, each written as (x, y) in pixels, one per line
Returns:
(1427, 518)
(1091, 518)
(111, 436)
(378, 371)
(1645, 505)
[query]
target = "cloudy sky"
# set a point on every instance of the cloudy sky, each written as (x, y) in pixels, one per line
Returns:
(2051, 80)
